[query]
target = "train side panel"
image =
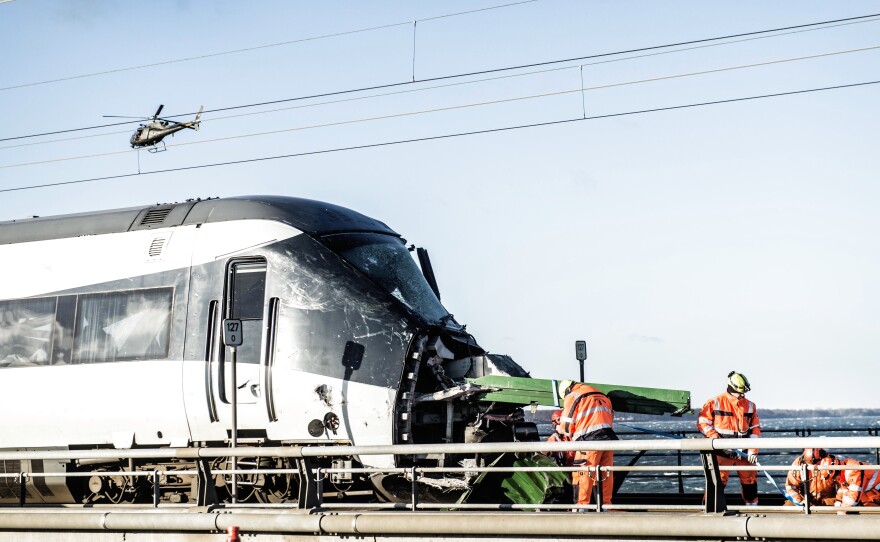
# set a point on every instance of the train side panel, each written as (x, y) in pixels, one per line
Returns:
(298, 388)
(73, 380)
(207, 369)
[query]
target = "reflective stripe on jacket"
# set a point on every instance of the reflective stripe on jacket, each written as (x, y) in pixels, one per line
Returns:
(586, 410)
(565, 459)
(822, 482)
(727, 416)
(858, 486)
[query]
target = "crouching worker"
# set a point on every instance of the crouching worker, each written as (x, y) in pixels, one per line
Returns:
(563, 459)
(731, 415)
(857, 487)
(822, 483)
(587, 416)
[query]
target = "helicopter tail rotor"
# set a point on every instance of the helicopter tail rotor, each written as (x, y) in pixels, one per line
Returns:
(194, 125)
(197, 121)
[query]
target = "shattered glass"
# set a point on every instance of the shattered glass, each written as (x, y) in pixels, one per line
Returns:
(385, 260)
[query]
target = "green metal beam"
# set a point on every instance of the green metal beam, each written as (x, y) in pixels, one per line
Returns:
(527, 391)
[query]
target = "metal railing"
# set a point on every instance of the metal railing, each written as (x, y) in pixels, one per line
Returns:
(681, 458)
(311, 481)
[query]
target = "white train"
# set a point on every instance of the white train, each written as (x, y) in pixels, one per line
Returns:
(110, 338)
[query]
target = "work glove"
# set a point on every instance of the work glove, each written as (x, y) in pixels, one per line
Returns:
(753, 458)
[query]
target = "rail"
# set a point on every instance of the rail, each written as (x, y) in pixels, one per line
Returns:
(311, 480)
(688, 481)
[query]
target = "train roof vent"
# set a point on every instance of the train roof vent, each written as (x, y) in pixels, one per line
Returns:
(155, 216)
(162, 215)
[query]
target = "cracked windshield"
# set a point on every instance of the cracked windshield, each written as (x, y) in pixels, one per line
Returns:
(387, 262)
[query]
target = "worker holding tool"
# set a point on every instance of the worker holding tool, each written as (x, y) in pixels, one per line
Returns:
(731, 415)
(587, 415)
(857, 487)
(822, 483)
(563, 459)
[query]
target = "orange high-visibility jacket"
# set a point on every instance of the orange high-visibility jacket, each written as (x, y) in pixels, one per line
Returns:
(565, 459)
(858, 486)
(585, 411)
(823, 483)
(727, 416)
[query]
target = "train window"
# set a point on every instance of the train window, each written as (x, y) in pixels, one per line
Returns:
(27, 332)
(65, 313)
(119, 326)
(385, 260)
(246, 295)
(248, 290)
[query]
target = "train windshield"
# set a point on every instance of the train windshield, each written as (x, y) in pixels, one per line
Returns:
(386, 261)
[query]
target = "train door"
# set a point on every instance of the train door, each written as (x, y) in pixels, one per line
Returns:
(244, 299)
(235, 289)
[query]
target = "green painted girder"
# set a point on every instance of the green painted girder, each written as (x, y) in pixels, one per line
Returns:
(638, 400)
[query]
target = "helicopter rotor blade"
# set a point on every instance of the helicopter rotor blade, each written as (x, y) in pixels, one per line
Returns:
(156, 115)
(126, 117)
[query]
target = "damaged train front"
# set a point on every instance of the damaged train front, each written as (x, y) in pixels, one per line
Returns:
(435, 402)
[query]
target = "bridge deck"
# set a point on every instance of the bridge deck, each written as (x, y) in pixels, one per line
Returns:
(270, 525)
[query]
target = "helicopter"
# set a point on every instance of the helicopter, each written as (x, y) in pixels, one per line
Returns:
(151, 134)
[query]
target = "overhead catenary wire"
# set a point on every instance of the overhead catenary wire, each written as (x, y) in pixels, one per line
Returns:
(865, 18)
(258, 47)
(580, 89)
(459, 83)
(437, 137)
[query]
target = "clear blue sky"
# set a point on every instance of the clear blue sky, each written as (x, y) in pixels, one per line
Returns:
(680, 244)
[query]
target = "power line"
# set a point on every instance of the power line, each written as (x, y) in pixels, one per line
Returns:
(463, 106)
(475, 11)
(460, 75)
(460, 83)
(438, 137)
(256, 48)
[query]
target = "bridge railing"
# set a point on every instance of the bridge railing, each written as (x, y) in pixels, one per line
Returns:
(684, 482)
(311, 480)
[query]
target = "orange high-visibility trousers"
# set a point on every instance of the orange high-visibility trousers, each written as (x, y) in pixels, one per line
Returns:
(745, 476)
(584, 481)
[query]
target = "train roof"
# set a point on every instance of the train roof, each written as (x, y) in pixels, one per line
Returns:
(310, 216)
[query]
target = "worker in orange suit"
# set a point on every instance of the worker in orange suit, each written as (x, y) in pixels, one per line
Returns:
(822, 483)
(587, 416)
(564, 459)
(731, 415)
(857, 487)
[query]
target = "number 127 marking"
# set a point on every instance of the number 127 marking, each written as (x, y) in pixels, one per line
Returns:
(232, 332)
